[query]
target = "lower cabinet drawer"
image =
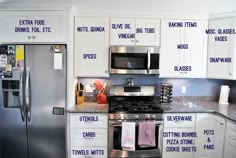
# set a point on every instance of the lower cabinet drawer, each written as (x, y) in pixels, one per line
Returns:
(88, 152)
(88, 121)
(88, 137)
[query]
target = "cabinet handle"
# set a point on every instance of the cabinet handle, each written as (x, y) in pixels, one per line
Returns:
(34, 37)
(29, 37)
(132, 40)
(221, 123)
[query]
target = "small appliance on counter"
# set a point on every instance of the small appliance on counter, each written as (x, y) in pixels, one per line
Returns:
(166, 93)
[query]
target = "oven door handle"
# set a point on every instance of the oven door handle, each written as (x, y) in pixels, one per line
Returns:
(149, 61)
(157, 123)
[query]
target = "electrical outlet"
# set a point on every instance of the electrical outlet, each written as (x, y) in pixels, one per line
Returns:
(88, 88)
(183, 89)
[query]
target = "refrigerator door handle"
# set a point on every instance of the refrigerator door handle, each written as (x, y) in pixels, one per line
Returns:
(22, 108)
(28, 94)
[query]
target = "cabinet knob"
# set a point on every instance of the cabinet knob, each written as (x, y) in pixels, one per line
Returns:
(29, 37)
(230, 74)
(221, 123)
(106, 71)
(34, 37)
(137, 41)
(132, 40)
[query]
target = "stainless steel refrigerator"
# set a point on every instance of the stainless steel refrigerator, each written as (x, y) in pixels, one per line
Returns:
(32, 101)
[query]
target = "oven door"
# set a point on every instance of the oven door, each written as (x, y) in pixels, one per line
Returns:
(134, 60)
(115, 149)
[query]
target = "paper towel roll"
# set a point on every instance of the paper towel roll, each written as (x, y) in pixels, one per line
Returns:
(224, 94)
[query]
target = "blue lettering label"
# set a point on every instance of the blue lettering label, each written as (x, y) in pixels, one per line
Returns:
(97, 29)
(179, 118)
(80, 152)
(117, 26)
(89, 134)
(88, 118)
(220, 38)
(182, 46)
(22, 29)
(97, 152)
(175, 24)
(39, 22)
(221, 60)
(226, 31)
(190, 24)
(183, 68)
(126, 35)
(210, 31)
(89, 56)
(82, 29)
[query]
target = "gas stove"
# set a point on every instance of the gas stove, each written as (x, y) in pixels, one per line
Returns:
(134, 102)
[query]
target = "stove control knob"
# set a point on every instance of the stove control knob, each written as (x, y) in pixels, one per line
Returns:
(148, 116)
(136, 116)
(118, 116)
(153, 116)
(125, 116)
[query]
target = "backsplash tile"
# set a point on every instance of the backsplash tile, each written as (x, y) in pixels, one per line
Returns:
(194, 87)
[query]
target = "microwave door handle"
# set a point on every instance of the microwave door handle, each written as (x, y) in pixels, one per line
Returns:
(149, 61)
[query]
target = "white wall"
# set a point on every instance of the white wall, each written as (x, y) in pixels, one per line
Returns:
(161, 7)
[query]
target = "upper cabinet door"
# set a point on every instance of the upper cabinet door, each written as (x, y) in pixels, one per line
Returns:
(40, 26)
(221, 50)
(183, 49)
(170, 56)
(122, 31)
(91, 47)
(17, 27)
(195, 55)
(148, 32)
(50, 27)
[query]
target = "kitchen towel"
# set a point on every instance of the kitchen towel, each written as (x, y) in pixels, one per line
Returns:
(146, 135)
(128, 136)
(224, 94)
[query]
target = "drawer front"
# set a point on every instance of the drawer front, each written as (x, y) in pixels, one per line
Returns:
(179, 120)
(85, 152)
(231, 130)
(88, 121)
(88, 137)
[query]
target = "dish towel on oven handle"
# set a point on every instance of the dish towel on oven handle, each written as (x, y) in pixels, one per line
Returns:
(128, 136)
(146, 134)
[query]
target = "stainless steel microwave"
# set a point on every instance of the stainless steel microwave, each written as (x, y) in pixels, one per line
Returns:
(134, 60)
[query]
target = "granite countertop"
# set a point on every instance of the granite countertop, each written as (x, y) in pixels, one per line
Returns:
(179, 105)
(89, 107)
(202, 106)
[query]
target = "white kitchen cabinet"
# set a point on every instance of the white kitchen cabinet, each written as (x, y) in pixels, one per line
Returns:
(183, 48)
(172, 149)
(91, 47)
(210, 130)
(230, 148)
(179, 136)
(221, 50)
(135, 31)
(34, 27)
(88, 135)
(230, 140)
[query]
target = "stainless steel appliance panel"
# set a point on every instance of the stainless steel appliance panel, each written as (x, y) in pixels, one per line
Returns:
(47, 89)
(13, 135)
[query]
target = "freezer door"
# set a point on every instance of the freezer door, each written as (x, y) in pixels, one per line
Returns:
(45, 89)
(13, 135)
